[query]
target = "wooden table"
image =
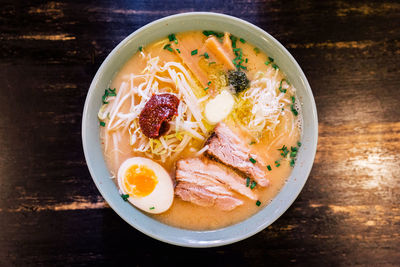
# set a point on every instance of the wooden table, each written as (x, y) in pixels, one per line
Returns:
(348, 212)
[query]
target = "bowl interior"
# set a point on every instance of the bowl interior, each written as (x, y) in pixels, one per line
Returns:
(157, 30)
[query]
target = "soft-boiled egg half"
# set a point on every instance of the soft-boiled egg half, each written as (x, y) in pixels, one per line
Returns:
(147, 183)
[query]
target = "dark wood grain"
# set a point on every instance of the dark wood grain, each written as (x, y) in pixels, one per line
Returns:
(349, 211)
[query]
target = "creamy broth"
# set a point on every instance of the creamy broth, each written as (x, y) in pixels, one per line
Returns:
(185, 214)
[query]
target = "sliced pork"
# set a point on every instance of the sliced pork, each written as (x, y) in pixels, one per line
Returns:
(209, 183)
(212, 175)
(201, 196)
(227, 147)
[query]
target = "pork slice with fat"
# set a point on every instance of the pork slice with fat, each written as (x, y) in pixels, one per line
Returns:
(203, 197)
(227, 147)
(208, 173)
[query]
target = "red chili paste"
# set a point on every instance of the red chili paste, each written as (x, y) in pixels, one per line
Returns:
(156, 114)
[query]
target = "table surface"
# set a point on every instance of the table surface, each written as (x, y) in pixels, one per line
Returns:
(349, 210)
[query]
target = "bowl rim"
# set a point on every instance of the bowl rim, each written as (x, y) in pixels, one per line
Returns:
(199, 243)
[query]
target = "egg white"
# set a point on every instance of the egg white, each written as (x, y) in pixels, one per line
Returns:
(163, 194)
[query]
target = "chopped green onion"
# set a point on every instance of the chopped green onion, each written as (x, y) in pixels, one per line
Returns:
(258, 203)
(140, 48)
(247, 182)
(256, 50)
(252, 160)
(179, 51)
(217, 34)
(168, 47)
(252, 143)
(299, 144)
(205, 55)
(270, 59)
(267, 62)
(242, 40)
(275, 66)
(277, 163)
(194, 52)
(292, 162)
(234, 40)
(102, 124)
(205, 89)
(243, 67)
(246, 60)
(125, 197)
(212, 63)
(280, 87)
(253, 184)
(152, 208)
(108, 92)
(172, 37)
(112, 92)
(293, 154)
(284, 150)
(292, 108)
(269, 167)
(209, 83)
(293, 99)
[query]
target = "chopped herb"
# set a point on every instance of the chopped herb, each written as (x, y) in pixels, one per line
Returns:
(267, 62)
(212, 63)
(293, 109)
(209, 83)
(258, 203)
(179, 51)
(269, 167)
(293, 154)
(294, 149)
(234, 40)
(270, 59)
(242, 40)
(205, 89)
(292, 162)
(293, 99)
(256, 50)
(140, 48)
(112, 92)
(277, 163)
(217, 34)
(247, 182)
(275, 66)
(125, 197)
(253, 184)
(252, 160)
(108, 92)
(168, 47)
(299, 144)
(280, 87)
(284, 150)
(206, 56)
(194, 52)
(152, 208)
(238, 60)
(172, 37)
(252, 142)
(246, 60)
(102, 124)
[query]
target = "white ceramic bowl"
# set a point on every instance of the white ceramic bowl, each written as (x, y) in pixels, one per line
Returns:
(157, 30)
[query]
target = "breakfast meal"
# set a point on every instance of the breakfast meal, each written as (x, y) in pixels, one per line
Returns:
(200, 129)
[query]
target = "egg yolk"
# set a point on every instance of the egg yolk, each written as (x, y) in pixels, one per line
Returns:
(139, 180)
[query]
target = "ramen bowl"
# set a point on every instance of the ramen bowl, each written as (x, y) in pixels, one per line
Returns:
(93, 150)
